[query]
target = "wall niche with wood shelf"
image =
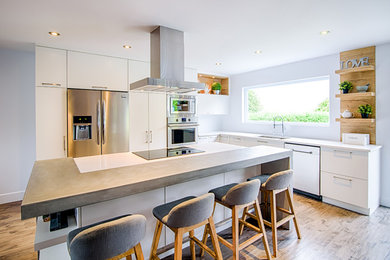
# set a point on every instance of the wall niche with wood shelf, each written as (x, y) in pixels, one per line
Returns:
(210, 79)
(358, 67)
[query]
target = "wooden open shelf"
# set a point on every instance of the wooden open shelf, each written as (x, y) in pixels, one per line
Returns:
(357, 69)
(355, 95)
(356, 120)
(210, 79)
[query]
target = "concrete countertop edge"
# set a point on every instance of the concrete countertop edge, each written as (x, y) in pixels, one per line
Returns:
(35, 209)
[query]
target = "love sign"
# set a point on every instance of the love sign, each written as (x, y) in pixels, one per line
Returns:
(354, 63)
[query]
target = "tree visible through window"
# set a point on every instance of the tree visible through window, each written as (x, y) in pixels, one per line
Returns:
(298, 101)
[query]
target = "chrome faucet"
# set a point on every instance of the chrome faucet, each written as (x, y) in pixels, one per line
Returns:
(279, 124)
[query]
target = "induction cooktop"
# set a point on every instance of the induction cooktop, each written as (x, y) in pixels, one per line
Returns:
(166, 152)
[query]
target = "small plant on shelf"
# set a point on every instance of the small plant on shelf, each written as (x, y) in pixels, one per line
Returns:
(216, 87)
(365, 110)
(345, 86)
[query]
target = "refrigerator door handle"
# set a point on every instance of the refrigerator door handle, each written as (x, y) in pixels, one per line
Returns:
(98, 122)
(104, 123)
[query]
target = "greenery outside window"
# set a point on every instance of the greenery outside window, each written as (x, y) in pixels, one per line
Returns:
(302, 101)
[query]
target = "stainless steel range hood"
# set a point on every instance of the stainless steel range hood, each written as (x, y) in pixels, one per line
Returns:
(167, 64)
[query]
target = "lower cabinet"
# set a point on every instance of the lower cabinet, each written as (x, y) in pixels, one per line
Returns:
(351, 179)
(51, 115)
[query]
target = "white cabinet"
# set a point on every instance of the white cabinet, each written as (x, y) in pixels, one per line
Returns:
(138, 70)
(51, 114)
(190, 75)
(148, 121)
(50, 67)
(213, 104)
(92, 71)
(351, 179)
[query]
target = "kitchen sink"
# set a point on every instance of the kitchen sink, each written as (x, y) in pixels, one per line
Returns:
(272, 136)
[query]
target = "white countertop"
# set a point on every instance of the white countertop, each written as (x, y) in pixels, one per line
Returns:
(304, 141)
(110, 161)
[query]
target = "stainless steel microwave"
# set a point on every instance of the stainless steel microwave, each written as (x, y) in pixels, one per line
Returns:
(181, 105)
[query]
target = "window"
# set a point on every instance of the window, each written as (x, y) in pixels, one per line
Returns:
(303, 101)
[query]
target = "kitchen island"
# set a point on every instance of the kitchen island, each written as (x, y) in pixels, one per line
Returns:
(105, 186)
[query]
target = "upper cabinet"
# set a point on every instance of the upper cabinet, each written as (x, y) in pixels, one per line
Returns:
(50, 67)
(92, 71)
(190, 75)
(138, 70)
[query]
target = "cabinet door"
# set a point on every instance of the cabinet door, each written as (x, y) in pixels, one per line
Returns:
(157, 120)
(138, 70)
(50, 122)
(96, 72)
(50, 67)
(213, 104)
(190, 75)
(139, 126)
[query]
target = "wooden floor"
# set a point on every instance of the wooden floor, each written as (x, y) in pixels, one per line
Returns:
(327, 232)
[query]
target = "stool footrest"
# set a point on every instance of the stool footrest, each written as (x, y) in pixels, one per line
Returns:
(250, 241)
(249, 225)
(284, 211)
(204, 246)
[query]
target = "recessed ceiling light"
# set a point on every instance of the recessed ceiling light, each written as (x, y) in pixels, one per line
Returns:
(54, 33)
(218, 63)
(258, 51)
(126, 46)
(324, 32)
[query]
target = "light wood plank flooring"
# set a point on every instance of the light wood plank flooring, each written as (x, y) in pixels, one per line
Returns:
(328, 232)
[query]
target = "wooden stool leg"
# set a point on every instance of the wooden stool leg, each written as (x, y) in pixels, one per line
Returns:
(243, 219)
(290, 202)
(138, 252)
(128, 257)
(204, 239)
(214, 238)
(273, 223)
(192, 245)
(156, 239)
(178, 244)
(262, 228)
(235, 234)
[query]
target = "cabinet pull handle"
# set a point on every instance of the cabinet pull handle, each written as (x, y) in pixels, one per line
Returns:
(298, 151)
(151, 136)
(339, 151)
(345, 179)
(146, 137)
(260, 141)
(64, 143)
(51, 84)
(100, 87)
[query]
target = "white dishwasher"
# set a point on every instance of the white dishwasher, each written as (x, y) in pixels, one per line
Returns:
(306, 166)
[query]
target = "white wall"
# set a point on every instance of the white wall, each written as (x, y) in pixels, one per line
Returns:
(383, 117)
(210, 123)
(17, 113)
(322, 66)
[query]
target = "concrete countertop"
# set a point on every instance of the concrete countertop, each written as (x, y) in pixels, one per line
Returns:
(303, 141)
(57, 185)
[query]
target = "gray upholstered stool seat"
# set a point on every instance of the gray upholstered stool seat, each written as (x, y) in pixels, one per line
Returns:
(221, 191)
(182, 216)
(261, 178)
(114, 238)
(236, 197)
(163, 210)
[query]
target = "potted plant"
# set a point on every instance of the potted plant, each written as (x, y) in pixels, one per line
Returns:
(345, 86)
(365, 110)
(216, 87)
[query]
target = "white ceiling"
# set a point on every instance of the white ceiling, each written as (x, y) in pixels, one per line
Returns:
(227, 31)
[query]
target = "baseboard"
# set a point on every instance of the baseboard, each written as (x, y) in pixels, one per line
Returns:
(11, 197)
(348, 206)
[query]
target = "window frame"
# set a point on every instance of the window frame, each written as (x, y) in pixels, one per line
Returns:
(245, 113)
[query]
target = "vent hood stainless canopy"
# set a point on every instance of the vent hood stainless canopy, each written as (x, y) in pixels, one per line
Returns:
(167, 64)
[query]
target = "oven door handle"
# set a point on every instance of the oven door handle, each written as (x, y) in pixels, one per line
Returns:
(182, 125)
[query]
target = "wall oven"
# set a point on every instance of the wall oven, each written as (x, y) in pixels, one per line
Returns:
(182, 133)
(181, 105)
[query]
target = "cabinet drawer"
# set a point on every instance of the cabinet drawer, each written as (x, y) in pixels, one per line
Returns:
(223, 139)
(344, 162)
(346, 189)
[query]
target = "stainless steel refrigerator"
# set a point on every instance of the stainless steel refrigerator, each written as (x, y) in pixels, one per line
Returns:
(98, 122)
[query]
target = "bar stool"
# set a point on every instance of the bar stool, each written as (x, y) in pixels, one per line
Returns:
(111, 239)
(236, 197)
(183, 216)
(275, 184)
